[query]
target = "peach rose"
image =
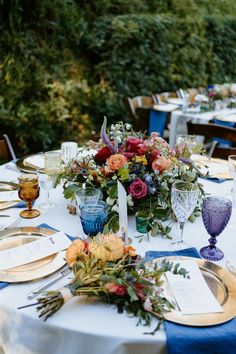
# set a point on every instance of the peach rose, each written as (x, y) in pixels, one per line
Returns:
(115, 162)
(107, 247)
(161, 164)
(76, 249)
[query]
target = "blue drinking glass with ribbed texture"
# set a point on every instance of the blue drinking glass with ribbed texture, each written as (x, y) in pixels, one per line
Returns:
(93, 217)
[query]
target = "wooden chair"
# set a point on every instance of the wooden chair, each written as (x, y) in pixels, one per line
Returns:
(210, 131)
(6, 150)
(138, 108)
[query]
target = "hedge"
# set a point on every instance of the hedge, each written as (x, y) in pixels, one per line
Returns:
(64, 64)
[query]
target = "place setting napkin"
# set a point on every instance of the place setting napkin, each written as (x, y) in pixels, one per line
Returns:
(4, 284)
(183, 339)
(213, 169)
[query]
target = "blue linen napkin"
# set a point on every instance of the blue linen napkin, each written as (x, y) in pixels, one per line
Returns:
(4, 284)
(219, 339)
(157, 121)
(215, 179)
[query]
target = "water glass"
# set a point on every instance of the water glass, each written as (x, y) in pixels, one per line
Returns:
(93, 217)
(68, 151)
(232, 172)
(88, 194)
(46, 183)
(52, 162)
(184, 197)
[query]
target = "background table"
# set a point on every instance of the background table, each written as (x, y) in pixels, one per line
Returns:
(82, 326)
(178, 121)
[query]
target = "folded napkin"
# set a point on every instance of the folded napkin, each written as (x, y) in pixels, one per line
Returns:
(35, 161)
(182, 339)
(4, 284)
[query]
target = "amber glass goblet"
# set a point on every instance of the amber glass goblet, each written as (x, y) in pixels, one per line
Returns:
(28, 192)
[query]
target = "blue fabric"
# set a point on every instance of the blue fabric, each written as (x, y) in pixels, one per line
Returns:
(157, 121)
(4, 284)
(219, 339)
(223, 142)
(215, 179)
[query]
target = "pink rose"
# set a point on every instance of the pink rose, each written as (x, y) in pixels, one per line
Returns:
(113, 288)
(138, 189)
(161, 164)
(134, 146)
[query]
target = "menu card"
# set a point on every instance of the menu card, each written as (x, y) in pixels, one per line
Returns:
(193, 295)
(123, 213)
(32, 251)
(9, 196)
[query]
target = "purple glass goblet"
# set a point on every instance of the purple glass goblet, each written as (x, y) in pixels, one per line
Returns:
(216, 212)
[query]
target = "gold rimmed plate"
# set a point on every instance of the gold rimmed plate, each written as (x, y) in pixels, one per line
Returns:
(20, 163)
(5, 187)
(41, 268)
(223, 286)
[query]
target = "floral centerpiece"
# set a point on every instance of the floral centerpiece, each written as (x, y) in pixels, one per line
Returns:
(104, 267)
(146, 166)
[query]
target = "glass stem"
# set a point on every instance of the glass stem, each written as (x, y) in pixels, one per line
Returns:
(47, 197)
(181, 227)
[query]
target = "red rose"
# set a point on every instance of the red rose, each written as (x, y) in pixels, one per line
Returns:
(133, 147)
(138, 189)
(102, 155)
(119, 290)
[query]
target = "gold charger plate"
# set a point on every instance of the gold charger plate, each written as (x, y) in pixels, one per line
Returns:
(222, 284)
(41, 268)
(8, 186)
(27, 169)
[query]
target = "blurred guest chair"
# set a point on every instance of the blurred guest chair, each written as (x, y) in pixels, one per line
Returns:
(6, 150)
(138, 108)
(214, 133)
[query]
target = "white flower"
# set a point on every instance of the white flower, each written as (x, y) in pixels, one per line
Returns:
(130, 200)
(147, 304)
(115, 208)
(110, 201)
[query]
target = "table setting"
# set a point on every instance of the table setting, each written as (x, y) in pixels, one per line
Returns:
(142, 284)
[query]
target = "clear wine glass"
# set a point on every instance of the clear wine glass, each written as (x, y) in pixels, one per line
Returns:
(184, 197)
(46, 183)
(216, 212)
(232, 172)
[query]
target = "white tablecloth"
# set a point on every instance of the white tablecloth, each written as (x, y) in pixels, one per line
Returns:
(178, 121)
(82, 326)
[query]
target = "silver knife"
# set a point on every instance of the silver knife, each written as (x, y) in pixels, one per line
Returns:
(59, 276)
(4, 216)
(230, 267)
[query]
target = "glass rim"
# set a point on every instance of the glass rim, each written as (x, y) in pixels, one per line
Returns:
(185, 191)
(53, 153)
(214, 197)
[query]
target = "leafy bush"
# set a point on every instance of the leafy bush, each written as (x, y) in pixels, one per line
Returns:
(64, 64)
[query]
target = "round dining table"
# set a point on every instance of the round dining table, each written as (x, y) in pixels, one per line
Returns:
(87, 326)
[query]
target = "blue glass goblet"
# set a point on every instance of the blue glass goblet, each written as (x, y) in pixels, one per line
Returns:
(93, 217)
(216, 212)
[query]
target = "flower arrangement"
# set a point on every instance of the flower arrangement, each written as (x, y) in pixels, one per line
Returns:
(146, 166)
(105, 267)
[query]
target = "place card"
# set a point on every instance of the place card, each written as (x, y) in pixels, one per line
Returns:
(193, 295)
(9, 196)
(33, 251)
(123, 212)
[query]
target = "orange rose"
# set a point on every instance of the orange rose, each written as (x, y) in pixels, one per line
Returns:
(115, 162)
(161, 164)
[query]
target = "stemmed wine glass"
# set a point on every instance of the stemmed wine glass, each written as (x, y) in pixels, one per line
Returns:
(29, 191)
(52, 167)
(184, 197)
(216, 212)
(232, 171)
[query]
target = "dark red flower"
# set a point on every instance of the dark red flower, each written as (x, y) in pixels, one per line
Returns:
(102, 155)
(138, 189)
